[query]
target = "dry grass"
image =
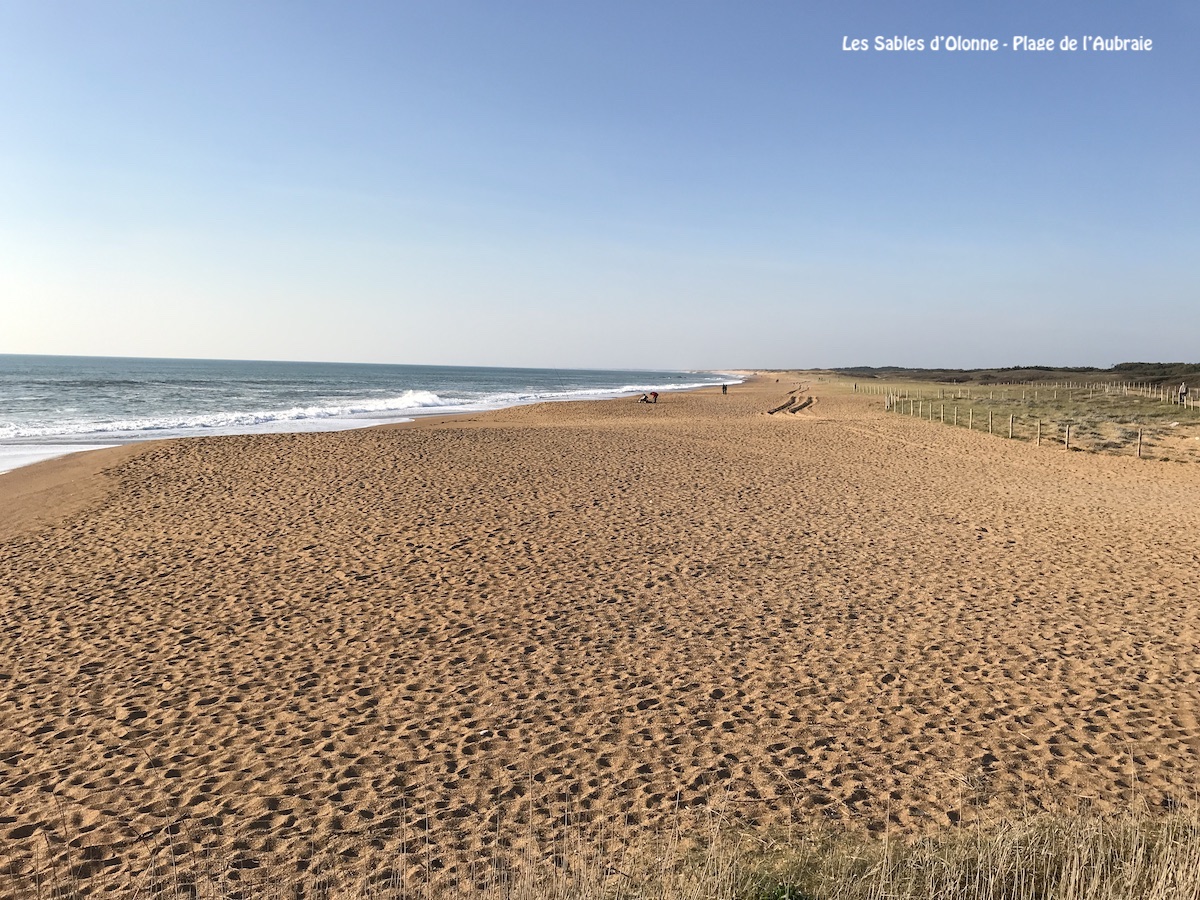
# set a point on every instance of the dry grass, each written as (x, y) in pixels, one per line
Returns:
(1135, 856)
(1102, 420)
(1066, 858)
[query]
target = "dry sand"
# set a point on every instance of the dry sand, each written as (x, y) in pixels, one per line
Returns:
(469, 636)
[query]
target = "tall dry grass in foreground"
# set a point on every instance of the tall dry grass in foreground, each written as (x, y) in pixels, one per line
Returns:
(1130, 857)
(1066, 858)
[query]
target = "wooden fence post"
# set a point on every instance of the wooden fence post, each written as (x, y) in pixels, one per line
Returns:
(989, 421)
(970, 418)
(1039, 434)
(1067, 438)
(1010, 427)
(1139, 443)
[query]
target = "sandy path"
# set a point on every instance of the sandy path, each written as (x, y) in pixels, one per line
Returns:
(320, 647)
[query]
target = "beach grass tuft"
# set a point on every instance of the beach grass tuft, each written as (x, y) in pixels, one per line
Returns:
(1128, 857)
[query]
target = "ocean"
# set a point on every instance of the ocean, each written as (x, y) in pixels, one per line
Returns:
(52, 405)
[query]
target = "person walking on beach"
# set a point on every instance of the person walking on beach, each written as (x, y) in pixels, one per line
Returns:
(1183, 394)
(724, 389)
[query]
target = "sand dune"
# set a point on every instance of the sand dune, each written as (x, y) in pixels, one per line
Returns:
(468, 636)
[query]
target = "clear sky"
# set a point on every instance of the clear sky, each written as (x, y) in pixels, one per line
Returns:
(597, 184)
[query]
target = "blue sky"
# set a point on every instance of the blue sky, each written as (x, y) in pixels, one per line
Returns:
(694, 184)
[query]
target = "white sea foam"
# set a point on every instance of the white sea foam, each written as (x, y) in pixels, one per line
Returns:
(16, 456)
(407, 402)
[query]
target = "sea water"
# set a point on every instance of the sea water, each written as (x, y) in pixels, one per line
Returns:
(52, 405)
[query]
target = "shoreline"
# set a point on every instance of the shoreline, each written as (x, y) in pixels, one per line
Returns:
(612, 614)
(30, 451)
(47, 489)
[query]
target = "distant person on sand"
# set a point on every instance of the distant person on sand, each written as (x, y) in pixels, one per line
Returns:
(654, 396)
(1183, 394)
(643, 399)
(724, 389)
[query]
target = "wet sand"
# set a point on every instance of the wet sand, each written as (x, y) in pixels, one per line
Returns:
(466, 637)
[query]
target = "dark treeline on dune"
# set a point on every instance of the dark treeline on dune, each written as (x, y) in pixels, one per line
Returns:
(1145, 372)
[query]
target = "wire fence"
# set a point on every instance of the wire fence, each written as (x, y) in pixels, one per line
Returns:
(1127, 418)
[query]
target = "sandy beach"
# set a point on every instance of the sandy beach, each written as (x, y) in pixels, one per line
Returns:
(461, 639)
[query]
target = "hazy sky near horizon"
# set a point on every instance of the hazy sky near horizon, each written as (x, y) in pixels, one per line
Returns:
(598, 184)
